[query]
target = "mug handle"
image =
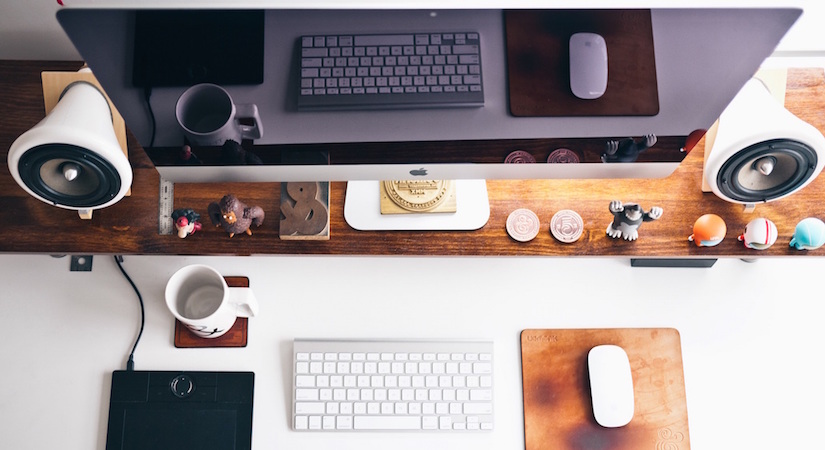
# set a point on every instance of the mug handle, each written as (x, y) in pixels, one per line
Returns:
(249, 111)
(244, 301)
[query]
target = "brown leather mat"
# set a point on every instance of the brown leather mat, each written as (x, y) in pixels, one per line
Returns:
(538, 58)
(558, 413)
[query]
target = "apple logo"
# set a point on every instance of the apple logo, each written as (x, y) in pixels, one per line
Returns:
(419, 172)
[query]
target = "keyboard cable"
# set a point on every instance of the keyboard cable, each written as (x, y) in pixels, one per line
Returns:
(130, 363)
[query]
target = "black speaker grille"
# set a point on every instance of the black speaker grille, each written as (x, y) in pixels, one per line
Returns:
(795, 165)
(98, 181)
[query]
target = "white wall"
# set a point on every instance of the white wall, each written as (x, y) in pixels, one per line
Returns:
(29, 30)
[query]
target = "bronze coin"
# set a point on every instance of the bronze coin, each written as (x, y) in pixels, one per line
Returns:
(523, 225)
(417, 195)
(563, 156)
(519, 157)
(566, 226)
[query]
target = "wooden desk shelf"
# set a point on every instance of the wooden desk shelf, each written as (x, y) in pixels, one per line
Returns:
(130, 226)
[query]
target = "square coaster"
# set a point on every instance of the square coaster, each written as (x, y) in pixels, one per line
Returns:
(235, 337)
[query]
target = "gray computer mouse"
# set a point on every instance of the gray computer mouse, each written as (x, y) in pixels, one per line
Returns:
(588, 65)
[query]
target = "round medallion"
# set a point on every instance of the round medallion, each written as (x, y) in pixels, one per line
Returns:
(563, 156)
(523, 225)
(566, 226)
(519, 157)
(417, 195)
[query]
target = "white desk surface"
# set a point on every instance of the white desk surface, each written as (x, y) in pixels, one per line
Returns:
(751, 337)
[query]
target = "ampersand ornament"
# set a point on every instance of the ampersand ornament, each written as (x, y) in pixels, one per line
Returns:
(301, 211)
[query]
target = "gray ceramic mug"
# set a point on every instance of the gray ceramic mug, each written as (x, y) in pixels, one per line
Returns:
(209, 117)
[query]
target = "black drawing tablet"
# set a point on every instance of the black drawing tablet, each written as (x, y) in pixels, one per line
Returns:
(180, 410)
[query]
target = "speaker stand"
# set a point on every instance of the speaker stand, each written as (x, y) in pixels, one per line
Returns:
(362, 209)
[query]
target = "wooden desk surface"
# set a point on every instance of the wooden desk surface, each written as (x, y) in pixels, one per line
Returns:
(130, 226)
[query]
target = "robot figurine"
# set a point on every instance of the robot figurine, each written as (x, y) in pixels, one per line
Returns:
(628, 149)
(627, 218)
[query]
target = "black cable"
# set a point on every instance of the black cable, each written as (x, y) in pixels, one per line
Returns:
(130, 364)
(147, 97)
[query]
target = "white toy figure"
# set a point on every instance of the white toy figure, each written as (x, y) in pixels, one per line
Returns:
(627, 218)
(759, 234)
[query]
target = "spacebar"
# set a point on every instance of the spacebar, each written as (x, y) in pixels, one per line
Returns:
(386, 423)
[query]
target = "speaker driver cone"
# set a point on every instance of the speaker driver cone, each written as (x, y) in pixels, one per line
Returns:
(69, 175)
(767, 170)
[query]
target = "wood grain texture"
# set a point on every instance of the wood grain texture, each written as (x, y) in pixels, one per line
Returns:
(558, 412)
(130, 226)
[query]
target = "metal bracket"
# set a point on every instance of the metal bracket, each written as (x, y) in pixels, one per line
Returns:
(81, 263)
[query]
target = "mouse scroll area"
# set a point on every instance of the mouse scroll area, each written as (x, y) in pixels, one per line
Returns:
(611, 385)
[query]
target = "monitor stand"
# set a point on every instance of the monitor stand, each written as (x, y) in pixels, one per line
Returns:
(362, 209)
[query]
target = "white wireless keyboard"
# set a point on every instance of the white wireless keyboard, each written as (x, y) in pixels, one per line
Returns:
(345, 385)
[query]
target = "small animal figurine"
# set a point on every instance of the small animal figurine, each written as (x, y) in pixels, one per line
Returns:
(809, 234)
(708, 230)
(234, 215)
(627, 218)
(759, 234)
(186, 221)
(627, 150)
(232, 153)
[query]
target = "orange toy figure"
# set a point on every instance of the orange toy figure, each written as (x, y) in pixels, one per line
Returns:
(708, 230)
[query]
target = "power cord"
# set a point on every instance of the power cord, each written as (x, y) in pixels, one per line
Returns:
(130, 364)
(147, 97)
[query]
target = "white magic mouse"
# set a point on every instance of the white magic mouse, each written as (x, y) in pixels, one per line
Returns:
(611, 385)
(588, 65)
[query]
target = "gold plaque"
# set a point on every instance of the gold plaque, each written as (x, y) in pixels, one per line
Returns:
(417, 196)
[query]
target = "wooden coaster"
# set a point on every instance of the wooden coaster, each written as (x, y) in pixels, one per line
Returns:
(235, 337)
(558, 413)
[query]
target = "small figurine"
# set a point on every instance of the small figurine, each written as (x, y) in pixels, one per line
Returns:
(708, 230)
(235, 216)
(186, 221)
(759, 234)
(809, 234)
(627, 150)
(627, 218)
(233, 154)
(188, 157)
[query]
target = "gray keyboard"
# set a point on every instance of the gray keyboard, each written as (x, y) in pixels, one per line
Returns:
(386, 71)
(349, 385)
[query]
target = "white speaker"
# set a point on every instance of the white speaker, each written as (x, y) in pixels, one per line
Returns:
(760, 151)
(72, 159)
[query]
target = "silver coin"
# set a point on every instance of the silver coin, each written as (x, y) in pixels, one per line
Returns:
(566, 226)
(523, 225)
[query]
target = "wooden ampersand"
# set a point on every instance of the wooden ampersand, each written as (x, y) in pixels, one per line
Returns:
(307, 216)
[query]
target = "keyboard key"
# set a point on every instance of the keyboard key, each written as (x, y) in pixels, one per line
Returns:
(387, 423)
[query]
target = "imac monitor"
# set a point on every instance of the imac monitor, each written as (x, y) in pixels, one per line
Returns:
(701, 57)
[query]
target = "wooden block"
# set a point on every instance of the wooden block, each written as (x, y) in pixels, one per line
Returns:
(304, 211)
(235, 337)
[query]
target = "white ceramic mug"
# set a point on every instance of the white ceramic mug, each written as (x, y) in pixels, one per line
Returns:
(198, 296)
(209, 117)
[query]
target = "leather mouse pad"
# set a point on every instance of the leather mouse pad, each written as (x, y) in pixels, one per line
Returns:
(558, 413)
(538, 58)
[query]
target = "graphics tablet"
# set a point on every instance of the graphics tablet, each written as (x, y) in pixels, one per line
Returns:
(180, 410)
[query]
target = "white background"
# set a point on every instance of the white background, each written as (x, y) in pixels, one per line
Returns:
(751, 337)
